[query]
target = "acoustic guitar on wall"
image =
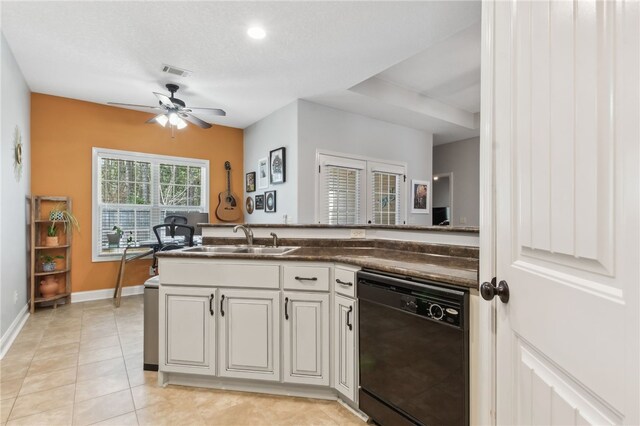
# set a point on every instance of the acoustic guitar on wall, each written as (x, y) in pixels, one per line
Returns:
(228, 209)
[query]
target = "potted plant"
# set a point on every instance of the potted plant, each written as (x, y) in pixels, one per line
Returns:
(59, 214)
(115, 236)
(49, 262)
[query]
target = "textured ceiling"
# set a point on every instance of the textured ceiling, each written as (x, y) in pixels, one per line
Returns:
(113, 51)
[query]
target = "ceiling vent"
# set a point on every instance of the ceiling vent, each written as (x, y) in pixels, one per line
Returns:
(175, 71)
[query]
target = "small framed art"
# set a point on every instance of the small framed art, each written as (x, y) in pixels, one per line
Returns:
(419, 196)
(263, 173)
(277, 166)
(250, 182)
(260, 202)
(270, 201)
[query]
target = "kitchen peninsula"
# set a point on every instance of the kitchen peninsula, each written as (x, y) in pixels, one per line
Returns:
(286, 321)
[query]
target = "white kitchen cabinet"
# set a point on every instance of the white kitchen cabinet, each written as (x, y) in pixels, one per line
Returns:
(306, 338)
(249, 336)
(344, 346)
(187, 330)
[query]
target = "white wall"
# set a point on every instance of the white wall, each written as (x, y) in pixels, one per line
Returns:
(440, 191)
(321, 127)
(274, 131)
(462, 158)
(16, 105)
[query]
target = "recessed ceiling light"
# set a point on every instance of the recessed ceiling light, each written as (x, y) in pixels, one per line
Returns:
(257, 32)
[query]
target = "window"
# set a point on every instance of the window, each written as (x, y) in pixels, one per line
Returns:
(343, 198)
(136, 191)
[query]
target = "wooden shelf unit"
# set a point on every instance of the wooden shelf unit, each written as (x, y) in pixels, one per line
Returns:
(40, 207)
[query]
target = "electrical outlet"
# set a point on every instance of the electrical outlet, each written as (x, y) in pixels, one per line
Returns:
(357, 233)
(151, 271)
(15, 296)
(463, 220)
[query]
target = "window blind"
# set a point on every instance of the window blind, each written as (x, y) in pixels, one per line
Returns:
(341, 195)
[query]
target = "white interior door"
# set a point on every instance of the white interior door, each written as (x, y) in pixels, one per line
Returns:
(566, 136)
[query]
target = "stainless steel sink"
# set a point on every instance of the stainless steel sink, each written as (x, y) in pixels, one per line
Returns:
(242, 249)
(266, 250)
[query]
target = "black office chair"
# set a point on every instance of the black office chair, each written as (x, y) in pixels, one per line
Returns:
(170, 229)
(176, 219)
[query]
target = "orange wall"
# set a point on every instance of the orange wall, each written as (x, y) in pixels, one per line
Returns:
(63, 132)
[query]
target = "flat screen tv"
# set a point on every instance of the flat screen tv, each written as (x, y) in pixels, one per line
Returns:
(441, 216)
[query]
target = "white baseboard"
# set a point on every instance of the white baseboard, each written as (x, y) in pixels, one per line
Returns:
(14, 329)
(85, 296)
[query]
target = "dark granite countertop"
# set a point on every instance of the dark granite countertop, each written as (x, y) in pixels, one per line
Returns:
(459, 269)
(465, 229)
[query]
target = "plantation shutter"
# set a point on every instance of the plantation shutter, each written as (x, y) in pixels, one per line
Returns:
(341, 191)
(386, 194)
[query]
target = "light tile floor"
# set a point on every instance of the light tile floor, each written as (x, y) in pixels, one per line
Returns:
(82, 364)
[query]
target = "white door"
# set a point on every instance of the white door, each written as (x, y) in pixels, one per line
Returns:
(566, 134)
(344, 344)
(249, 334)
(187, 330)
(306, 338)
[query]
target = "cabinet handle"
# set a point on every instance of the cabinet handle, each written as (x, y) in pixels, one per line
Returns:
(211, 304)
(222, 305)
(348, 314)
(344, 282)
(306, 279)
(286, 313)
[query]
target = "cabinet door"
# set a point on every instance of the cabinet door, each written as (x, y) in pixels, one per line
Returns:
(306, 338)
(187, 330)
(249, 334)
(344, 344)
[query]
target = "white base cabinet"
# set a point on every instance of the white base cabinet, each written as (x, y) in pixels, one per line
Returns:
(189, 322)
(294, 324)
(306, 338)
(344, 346)
(249, 334)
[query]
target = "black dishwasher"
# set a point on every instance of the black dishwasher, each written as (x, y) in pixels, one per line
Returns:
(414, 351)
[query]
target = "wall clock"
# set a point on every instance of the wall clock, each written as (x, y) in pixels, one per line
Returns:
(17, 153)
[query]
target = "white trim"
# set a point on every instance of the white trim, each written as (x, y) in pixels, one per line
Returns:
(97, 153)
(450, 176)
(14, 329)
(483, 361)
(349, 160)
(107, 293)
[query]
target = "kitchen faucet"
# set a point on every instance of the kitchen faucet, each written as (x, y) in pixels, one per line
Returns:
(275, 239)
(247, 232)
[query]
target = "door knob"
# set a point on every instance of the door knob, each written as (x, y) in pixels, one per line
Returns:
(489, 290)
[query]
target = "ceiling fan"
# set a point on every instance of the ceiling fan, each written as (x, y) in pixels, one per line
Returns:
(174, 110)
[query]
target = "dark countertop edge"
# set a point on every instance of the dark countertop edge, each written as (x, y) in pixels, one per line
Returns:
(369, 263)
(465, 229)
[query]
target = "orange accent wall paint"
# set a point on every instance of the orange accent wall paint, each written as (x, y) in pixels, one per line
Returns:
(63, 133)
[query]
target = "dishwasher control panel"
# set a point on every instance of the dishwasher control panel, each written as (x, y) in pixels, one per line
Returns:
(436, 309)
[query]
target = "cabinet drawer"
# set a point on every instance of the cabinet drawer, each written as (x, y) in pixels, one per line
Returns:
(345, 282)
(306, 278)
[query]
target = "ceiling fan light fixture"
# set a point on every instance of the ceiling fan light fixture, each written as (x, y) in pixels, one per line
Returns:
(181, 124)
(162, 120)
(173, 118)
(257, 33)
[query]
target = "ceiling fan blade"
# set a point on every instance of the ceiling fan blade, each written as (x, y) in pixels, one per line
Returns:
(164, 100)
(133, 105)
(154, 120)
(215, 111)
(195, 120)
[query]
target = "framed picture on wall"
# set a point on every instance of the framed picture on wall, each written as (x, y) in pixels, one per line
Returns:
(420, 196)
(277, 166)
(263, 173)
(260, 202)
(270, 201)
(250, 182)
